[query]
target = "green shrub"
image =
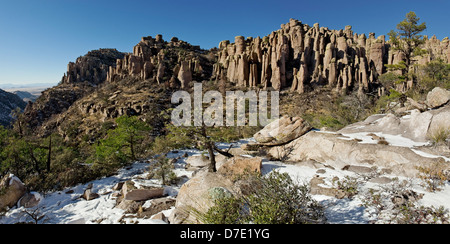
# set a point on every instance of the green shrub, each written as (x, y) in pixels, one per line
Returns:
(276, 199)
(348, 185)
(330, 121)
(439, 136)
(226, 210)
(384, 102)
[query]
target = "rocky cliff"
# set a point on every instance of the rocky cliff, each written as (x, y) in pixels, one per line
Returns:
(106, 83)
(9, 102)
(175, 63)
(299, 57)
(82, 78)
(92, 67)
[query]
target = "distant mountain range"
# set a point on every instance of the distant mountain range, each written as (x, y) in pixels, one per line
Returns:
(27, 92)
(10, 86)
(27, 96)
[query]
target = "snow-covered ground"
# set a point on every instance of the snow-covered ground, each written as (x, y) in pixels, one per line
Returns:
(62, 208)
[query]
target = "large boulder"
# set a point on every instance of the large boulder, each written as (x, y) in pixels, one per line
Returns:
(198, 195)
(11, 190)
(30, 200)
(438, 97)
(282, 131)
(197, 162)
(89, 195)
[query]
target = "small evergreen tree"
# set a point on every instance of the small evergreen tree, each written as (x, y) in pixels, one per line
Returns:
(119, 146)
(407, 38)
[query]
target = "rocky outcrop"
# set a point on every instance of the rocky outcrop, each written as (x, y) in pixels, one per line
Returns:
(435, 50)
(200, 192)
(81, 78)
(282, 131)
(298, 56)
(185, 75)
(336, 151)
(92, 67)
(175, 64)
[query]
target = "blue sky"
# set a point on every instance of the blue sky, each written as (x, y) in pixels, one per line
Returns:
(39, 37)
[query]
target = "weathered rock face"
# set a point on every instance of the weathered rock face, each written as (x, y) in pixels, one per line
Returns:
(185, 75)
(436, 50)
(298, 55)
(82, 76)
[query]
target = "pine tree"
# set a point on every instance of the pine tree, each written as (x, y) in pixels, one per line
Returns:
(407, 38)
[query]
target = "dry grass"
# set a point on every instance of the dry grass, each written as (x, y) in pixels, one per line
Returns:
(440, 135)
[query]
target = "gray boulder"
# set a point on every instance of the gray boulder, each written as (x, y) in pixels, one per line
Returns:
(282, 131)
(438, 97)
(198, 194)
(11, 190)
(30, 200)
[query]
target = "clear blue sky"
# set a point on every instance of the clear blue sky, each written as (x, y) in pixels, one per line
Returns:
(39, 37)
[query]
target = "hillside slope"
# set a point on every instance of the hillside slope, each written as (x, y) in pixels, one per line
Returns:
(9, 102)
